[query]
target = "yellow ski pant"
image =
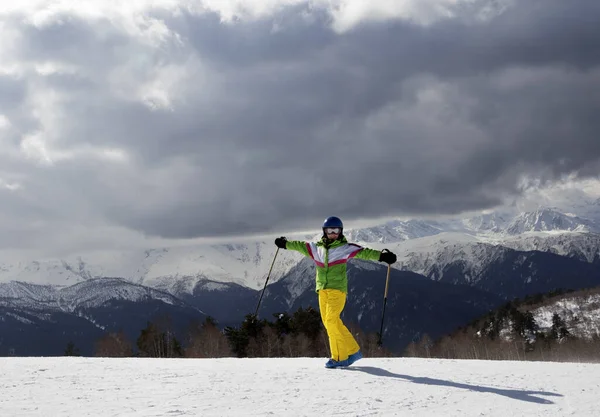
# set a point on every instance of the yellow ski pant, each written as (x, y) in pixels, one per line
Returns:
(341, 341)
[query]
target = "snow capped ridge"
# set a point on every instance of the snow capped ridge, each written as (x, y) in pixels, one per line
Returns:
(432, 255)
(394, 231)
(56, 271)
(490, 222)
(580, 245)
(92, 293)
(208, 285)
(19, 290)
(98, 291)
(548, 220)
(430, 261)
(499, 223)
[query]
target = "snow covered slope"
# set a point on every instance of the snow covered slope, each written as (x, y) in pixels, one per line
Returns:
(580, 311)
(581, 314)
(79, 387)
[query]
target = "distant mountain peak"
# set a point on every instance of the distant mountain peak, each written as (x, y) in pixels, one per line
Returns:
(546, 219)
(394, 231)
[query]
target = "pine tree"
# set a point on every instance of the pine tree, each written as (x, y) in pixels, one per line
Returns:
(559, 329)
(283, 324)
(238, 341)
(307, 322)
(71, 350)
(530, 324)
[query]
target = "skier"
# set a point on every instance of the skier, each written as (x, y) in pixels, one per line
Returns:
(330, 255)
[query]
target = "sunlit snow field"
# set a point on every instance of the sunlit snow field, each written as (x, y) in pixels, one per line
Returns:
(72, 386)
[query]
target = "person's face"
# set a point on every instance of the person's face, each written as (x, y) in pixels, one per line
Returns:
(332, 232)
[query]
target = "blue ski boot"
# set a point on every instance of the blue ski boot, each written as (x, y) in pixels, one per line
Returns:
(336, 364)
(354, 357)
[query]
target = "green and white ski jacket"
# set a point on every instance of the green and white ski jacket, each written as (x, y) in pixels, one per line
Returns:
(330, 260)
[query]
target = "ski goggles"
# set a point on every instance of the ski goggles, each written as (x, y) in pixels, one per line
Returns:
(333, 230)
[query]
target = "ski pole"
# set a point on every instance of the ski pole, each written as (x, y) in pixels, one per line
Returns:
(387, 281)
(263, 291)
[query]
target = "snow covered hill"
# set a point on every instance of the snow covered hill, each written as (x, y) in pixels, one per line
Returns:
(79, 387)
(580, 311)
(581, 314)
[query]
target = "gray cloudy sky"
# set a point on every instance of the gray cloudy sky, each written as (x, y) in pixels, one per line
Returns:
(230, 118)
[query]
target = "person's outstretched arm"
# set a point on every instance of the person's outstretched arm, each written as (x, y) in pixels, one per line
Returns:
(376, 255)
(295, 245)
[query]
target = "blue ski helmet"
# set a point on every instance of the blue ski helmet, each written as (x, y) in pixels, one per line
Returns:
(333, 222)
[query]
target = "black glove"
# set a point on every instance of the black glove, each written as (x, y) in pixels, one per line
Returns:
(281, 242)
(387, 257)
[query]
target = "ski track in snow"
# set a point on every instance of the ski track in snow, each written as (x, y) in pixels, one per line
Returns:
(69, 386)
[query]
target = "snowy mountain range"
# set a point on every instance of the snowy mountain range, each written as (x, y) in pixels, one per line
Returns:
(419, 243)
(88, 294)
(503, 254)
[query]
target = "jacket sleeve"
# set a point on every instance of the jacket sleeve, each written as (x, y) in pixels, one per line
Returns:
(368, 254)
(298, 246)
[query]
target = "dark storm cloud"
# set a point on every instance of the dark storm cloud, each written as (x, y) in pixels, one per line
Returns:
(282, 122)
